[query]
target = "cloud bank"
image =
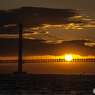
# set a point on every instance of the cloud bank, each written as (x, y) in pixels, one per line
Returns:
(36, 17)
(34, 47)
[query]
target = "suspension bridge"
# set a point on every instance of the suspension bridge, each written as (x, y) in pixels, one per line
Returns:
(47, 60)
(20, 61)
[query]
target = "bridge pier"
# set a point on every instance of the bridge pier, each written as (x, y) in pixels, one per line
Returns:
(20, 53)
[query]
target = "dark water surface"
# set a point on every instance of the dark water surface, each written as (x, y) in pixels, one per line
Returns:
(46, 84)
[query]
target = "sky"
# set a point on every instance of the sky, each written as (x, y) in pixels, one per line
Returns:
(50, 27)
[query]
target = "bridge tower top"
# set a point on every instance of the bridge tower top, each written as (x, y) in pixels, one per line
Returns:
(20, 52)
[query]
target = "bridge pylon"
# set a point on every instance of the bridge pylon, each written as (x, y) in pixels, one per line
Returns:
(20, 53)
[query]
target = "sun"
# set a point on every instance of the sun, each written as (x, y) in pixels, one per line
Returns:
(68, 57)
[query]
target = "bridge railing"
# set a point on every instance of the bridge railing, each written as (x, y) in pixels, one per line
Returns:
(47, 60)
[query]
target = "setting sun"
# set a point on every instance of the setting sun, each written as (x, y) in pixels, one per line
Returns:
(68, 57)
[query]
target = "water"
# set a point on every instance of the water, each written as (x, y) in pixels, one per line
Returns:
(46, 84)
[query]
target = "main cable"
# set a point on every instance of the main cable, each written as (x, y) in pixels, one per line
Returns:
(8, 30)
(62, 39)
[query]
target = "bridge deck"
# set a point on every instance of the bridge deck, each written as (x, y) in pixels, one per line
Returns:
(47, 60)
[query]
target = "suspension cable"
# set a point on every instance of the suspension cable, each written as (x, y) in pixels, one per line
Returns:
(62, 39)
(8, 30)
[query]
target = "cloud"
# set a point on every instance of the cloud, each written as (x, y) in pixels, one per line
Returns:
(87, 24)
(36, 17)
(90, 44)
(39, 47)
(10, 25)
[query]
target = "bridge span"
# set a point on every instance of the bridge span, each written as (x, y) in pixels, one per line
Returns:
(47, 60)
(20, 61)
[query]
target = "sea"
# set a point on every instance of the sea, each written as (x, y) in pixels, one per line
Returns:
(46, 84)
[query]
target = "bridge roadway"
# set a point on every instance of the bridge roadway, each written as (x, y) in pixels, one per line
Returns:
(47, 60)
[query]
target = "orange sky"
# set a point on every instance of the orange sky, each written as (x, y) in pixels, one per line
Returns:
(63, 19)
(53, 68)
(74, 56)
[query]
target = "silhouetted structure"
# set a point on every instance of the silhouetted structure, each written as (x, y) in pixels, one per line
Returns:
(45, 60)
(20, 61)
(20, 52)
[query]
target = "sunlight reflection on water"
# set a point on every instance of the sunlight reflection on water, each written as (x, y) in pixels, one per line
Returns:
(46, 84)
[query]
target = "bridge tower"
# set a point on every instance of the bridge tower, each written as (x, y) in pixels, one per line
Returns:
(20, 52)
